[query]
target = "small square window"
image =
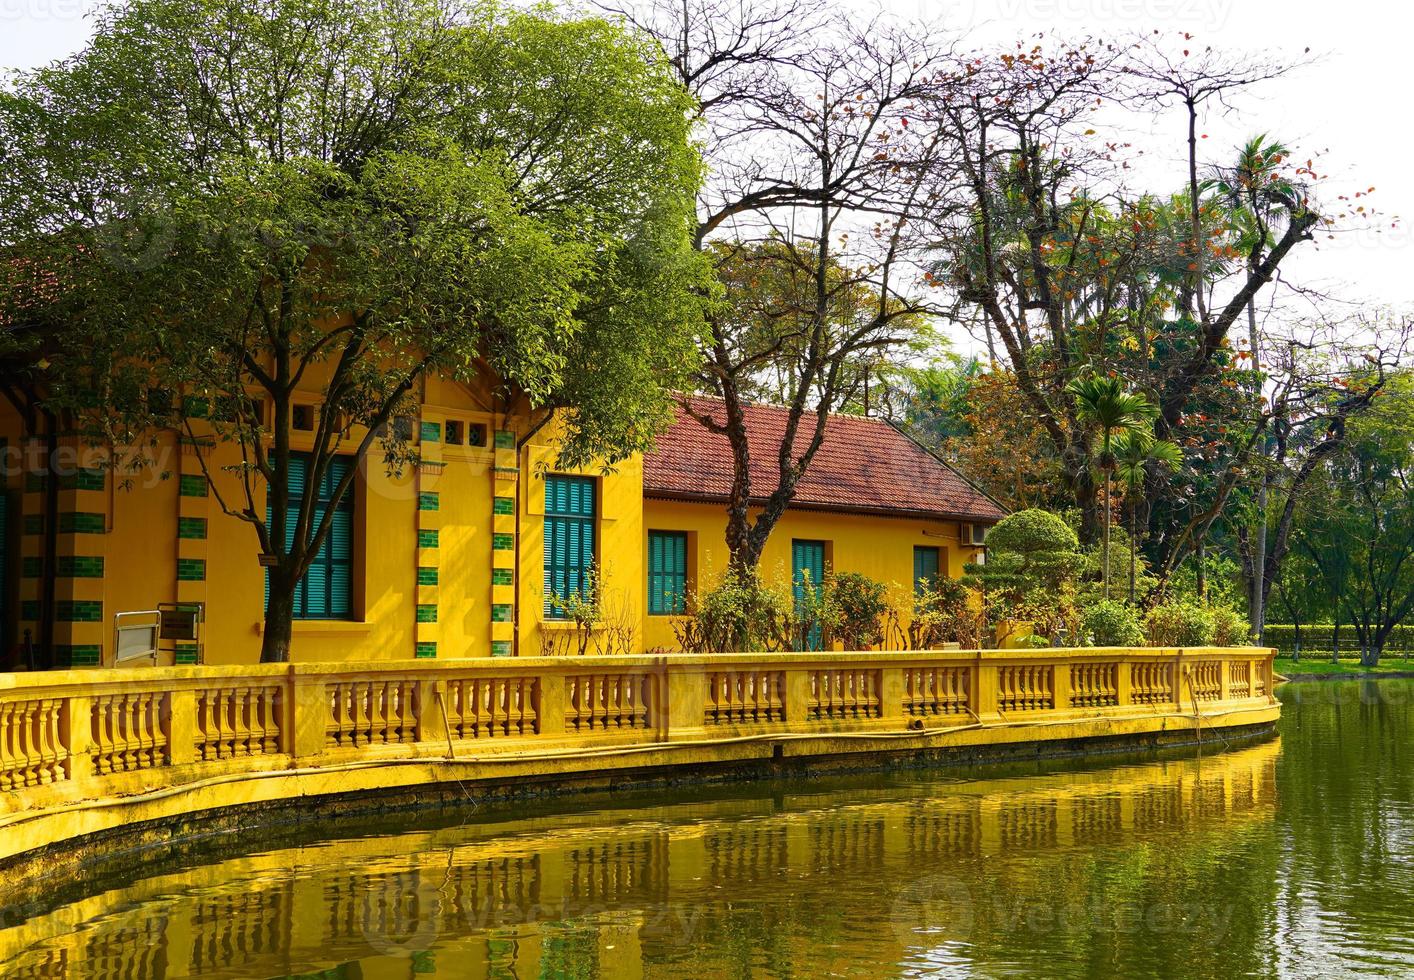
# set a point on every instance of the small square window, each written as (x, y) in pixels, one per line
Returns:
(452, 433)
(475, 434)
(402, 428)
(302, 418)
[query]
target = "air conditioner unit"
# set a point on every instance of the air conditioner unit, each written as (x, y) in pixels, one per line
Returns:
(974, 534)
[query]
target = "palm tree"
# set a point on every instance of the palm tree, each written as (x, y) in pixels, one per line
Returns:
(1101, 401)
(1135, 452)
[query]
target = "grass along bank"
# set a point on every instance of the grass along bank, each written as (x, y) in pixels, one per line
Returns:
(1320, 666)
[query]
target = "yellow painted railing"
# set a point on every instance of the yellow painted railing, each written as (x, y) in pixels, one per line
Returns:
(95, 743)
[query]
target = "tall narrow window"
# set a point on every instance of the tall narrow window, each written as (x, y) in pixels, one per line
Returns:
(569, 540)
(807, 560)
(926, 564)
(667, 573)
(326, 590)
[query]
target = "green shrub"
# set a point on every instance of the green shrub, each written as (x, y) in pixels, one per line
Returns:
(1180, 624)
(860, 604)
(741, 613)
(1111, 623)
(1230, 628)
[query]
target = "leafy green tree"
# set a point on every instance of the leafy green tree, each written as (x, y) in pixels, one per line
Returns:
(236, 199)
(1103, 404)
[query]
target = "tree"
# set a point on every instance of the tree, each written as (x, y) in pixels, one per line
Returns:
(1137, 454)
(1046, 248)
(234, 200)
(1104, 404)
(817, 177)
(1249, 188)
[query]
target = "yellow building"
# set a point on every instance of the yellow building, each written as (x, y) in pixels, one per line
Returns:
(872, 501)
(459, 555)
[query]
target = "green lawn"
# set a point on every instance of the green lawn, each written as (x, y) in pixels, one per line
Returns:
(1316, 663)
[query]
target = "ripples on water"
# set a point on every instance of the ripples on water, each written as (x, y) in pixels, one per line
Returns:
(1290, 858)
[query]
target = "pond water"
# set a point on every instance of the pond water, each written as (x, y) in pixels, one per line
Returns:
(1294, 857)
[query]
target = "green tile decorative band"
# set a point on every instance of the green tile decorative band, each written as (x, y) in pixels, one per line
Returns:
(507, 471)
(504, 505)
(425, 650)
(503, 542)
(426, 576)
(84, 479)
(29, 609)
(192, 527)
(192, 485)
(185, 653)
(431, 432)
(502, 576)
(427, 613)
(429, 501)
(427, 539)
(191, 570)
(81, 522)
(34, 524)
(78, 611)
(78, 654)
(32, 567)
(501, 612)
(500, 648)
(505, 440)
(34, 482)
(79, 566)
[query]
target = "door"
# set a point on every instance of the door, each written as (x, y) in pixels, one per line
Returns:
(807, 559)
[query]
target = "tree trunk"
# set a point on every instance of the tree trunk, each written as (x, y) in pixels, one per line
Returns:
(1257, 604)
(1106, 570)
(279, 619)
(1133, 546)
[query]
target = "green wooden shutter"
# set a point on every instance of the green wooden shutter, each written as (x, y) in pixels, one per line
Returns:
(325, 591)
(667, 573)
(569, 539)
(925, 567)
(807, 561)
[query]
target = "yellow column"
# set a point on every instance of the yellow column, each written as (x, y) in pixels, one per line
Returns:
(32, 519)
(505, 475)
(193, 501)
(429, 535)
(81, 622)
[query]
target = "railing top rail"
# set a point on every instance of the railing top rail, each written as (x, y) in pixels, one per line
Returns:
(79, 682)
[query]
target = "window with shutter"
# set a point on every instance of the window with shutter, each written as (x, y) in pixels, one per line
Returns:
(569, 540)
(326, 590)
(667, 573)
(807, 559)
(926, 565)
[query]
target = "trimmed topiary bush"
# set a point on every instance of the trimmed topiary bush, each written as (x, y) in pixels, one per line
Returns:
(1179, 624)
(1111, 623)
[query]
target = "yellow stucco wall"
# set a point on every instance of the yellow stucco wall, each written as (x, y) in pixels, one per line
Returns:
(140, 547)
(880, 547)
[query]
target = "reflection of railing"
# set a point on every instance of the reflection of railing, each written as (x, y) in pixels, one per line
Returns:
(72, 738)
(296, 909)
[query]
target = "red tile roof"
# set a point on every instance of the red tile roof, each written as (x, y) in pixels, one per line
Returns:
(863, 465)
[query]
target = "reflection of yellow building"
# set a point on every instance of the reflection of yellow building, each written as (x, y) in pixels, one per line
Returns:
(652, 891)
(453, 557)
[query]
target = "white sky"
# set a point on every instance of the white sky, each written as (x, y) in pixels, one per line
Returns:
(1349, 107)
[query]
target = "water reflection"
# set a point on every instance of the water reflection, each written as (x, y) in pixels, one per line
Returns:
(1138, 868)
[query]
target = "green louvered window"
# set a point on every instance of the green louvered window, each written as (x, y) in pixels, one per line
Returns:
(926, 565)
(326, 590)
(667, 573)
(569, 540)
(807, 563)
